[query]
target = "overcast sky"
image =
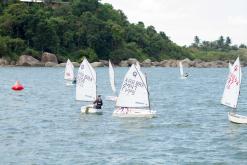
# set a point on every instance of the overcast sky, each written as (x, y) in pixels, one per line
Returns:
(181, 20)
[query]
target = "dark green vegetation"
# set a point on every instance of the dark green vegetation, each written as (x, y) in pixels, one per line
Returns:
(220, 49)
(89, 28)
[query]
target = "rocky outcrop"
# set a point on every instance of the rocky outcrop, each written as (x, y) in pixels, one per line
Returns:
(124, 64)
(50, 64)
(97, 64)
(49, 57)
(76, 64)
(4, 61)
(25, 60)
(61, 65)
(106, 63)
(146, 63)
(131, 61)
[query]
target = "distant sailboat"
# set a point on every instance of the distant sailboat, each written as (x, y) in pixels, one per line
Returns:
(112, 82)
(133, 99)
(86, 87)
(69, 73)
(231, 93)
(182, 75)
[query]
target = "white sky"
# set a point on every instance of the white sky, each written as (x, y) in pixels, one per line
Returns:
(181, 20)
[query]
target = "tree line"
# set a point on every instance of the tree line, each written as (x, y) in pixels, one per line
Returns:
(80, 28)
(221, 44)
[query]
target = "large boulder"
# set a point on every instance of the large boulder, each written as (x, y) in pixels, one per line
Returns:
(61, 65)
(146, 63)
(97, 64)
(106, 63)
(50, 64)
(76, 64)
(164, 63)
(26, 60)
(186, 62)
(155, 63)
(124, 64)
(49, 57)
(4, 61)
(131, 61)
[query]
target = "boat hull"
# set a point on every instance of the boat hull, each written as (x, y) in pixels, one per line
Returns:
(183, 77)
(134, 113)
(69, 83)
(235, 118)
(90, 110)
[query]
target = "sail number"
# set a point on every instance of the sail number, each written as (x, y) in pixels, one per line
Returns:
(130, 86)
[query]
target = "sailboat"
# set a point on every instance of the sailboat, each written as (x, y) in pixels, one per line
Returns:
(231, 93)
(69, 73)
(112, 82)
(133, 99)
(86, 87)
(182, 75)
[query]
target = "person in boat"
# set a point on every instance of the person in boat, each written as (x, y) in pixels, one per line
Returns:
(186, 75)
(74, 81)
(98, 102)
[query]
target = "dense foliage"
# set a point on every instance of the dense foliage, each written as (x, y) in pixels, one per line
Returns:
(80, 28)
(220, 49)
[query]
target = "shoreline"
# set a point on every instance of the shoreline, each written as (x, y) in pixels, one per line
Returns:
(50, 60)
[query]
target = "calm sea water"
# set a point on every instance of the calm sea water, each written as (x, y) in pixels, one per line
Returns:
(43, 124)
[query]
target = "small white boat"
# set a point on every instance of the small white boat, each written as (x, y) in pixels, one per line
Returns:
(89, 109)
(86, 87)
(69, 73)
(133, 112)
(133, 99)
(112, 82)
(182, 75)
(231, 93)
(235, 118)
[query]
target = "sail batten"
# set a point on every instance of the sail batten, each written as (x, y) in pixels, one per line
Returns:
(112, 77)
(69, 71)
(232, 87)
(133, 92)
(86, 82)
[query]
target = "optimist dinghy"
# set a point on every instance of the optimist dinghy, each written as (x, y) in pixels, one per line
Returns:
(86, 87)
(133, 99)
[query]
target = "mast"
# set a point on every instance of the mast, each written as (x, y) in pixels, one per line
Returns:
(148, 92)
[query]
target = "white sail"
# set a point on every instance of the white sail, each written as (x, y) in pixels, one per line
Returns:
(230, 67)
(181, 68)
(134, 91)
(138, 65)
(69, 71)
(86, 82)
(111, 75)
(232, 87)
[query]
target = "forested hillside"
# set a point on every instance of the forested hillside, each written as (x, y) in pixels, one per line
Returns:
(80, 28)
(76, 28)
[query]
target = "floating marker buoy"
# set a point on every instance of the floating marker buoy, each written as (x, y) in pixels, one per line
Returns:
(17, 86)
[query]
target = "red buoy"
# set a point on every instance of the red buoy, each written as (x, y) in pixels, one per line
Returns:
(17, 86)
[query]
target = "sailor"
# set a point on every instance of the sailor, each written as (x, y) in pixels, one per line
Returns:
(186, 75)
(74, 81)
(98, 102)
